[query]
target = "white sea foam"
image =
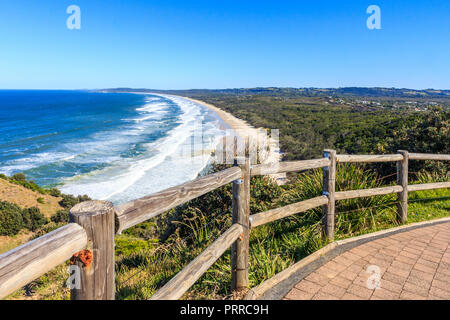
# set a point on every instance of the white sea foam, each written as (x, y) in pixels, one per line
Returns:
(164, 164)
(34, 161)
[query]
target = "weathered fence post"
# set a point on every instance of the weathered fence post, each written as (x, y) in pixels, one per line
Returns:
(96, 263)
(402, 180)
(241, 215)
(329, 187)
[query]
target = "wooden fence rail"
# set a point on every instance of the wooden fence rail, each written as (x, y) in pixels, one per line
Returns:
(31, 260)
(89, 237)
(288, 166)
(286, 211)
(140, 210)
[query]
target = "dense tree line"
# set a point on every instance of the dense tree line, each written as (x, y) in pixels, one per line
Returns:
(309, 125)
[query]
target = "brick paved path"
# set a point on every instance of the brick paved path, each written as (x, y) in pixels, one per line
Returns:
(414, 265)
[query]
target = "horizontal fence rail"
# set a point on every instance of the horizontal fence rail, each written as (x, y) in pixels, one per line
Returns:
(352, 194)
(89, 220)
(179, 284)
(288, 166)
(286, 211)
(140, 210)
(428, 186)
(23, 264)
(368, 158)
(426, 156)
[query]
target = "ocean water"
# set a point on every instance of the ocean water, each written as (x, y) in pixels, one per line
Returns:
(110, 146)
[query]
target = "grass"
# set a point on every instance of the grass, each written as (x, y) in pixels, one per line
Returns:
(150, 254)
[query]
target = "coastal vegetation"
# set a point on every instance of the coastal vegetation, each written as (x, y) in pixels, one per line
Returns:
(151, 253)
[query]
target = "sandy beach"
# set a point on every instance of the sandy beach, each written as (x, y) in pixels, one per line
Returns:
(242, 128)
(233, 122)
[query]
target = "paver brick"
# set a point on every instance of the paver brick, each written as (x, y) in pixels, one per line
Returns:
(333, 290)
(296, 294)
(391, 286)
(383, 294)
(348, 274)
(424, 268)
(427, 263)
(431, 258)
(340, 281)
(405, 295)
(435, 291)
(360, 291)
(349, 296)
(410, 287)
(308, 286)
(324, 296)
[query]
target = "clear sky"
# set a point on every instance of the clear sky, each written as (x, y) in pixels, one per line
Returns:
(171, 44)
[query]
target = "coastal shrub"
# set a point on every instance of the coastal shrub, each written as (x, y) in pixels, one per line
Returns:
(33, 218)
(40, 200)
(60, 216)
(68, 200)
(11, 221)
(263, 193)
(54, 192)
(4, 177)
(83, 198)
(19, 177)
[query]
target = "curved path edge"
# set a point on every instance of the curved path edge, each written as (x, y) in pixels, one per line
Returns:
(282, 283)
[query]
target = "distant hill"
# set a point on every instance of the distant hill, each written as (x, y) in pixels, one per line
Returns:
(338, 92)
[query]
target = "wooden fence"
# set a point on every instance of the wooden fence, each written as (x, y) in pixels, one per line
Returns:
(88, 239)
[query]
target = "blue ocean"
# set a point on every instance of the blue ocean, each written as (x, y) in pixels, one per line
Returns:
(110, 146)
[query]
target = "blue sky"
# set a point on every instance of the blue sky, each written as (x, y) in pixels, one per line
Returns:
(185, 44)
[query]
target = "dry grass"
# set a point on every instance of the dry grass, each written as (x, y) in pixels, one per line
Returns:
(26, 198)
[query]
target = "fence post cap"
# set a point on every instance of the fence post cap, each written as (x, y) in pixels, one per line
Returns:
(93, 207)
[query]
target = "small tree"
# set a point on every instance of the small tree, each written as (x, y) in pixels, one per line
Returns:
(68, 201)
(11, 221)
(33, 218)
(60, 216)
(19, 177)
(54, 192)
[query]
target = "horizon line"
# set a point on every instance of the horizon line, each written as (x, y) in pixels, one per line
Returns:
(212, 89)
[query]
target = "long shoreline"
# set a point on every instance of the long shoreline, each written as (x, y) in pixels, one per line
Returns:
(241, 128)
(234, 123)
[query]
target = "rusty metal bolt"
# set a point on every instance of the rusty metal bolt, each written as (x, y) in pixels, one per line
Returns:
(84, 256)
